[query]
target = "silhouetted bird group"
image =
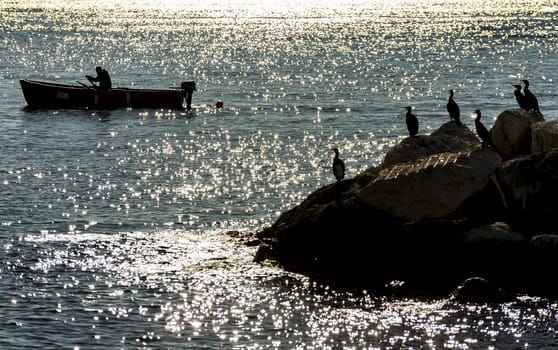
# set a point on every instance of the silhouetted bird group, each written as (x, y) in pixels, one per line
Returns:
(525, 99)
(412, 121)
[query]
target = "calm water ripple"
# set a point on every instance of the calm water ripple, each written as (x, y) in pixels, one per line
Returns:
(127, 228)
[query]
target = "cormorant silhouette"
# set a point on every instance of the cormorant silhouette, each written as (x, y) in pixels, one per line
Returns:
(482, 131)
(532, 102)
(338, 166)
(520, 98)
(412, 122)
(453, 109)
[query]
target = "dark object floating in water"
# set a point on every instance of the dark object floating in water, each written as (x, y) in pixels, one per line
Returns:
(47, 95)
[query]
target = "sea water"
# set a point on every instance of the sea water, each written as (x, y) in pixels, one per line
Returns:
(127, 228)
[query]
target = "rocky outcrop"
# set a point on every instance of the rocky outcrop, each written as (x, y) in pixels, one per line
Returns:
(512, 132)
(530, 186)
(425, 215)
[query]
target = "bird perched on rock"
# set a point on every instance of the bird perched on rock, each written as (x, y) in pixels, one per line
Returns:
(453, 109)
(412, 122)
(532, 102)
(482, 131)
(338, 166)
(520, 98)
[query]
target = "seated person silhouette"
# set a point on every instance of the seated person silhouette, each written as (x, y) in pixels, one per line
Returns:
(102, 77)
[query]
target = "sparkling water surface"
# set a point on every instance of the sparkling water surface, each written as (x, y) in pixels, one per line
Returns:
(128, 228)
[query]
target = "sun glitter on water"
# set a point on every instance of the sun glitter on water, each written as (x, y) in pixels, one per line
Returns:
(233, 8)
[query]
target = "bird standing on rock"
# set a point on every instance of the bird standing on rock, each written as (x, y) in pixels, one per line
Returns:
(338, 166)
(453, 109)
(412, 122)
(520, 98)
(532, 102)
(482, 131)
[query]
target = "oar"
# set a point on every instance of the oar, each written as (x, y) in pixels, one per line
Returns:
(84, 85)
(90, 82)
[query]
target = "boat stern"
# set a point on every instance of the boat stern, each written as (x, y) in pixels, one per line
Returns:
(188, 87)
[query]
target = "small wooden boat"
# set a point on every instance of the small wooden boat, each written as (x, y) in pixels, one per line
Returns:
(39, 94)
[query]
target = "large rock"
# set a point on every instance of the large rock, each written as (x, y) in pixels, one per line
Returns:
(530, 186)
(542, 253)
(492, 251)
(544, 249)
(494, 236)
(511, 132)
(433, 186)
(544, 136)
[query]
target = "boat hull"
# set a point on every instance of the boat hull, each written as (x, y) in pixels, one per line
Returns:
(48, 95)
